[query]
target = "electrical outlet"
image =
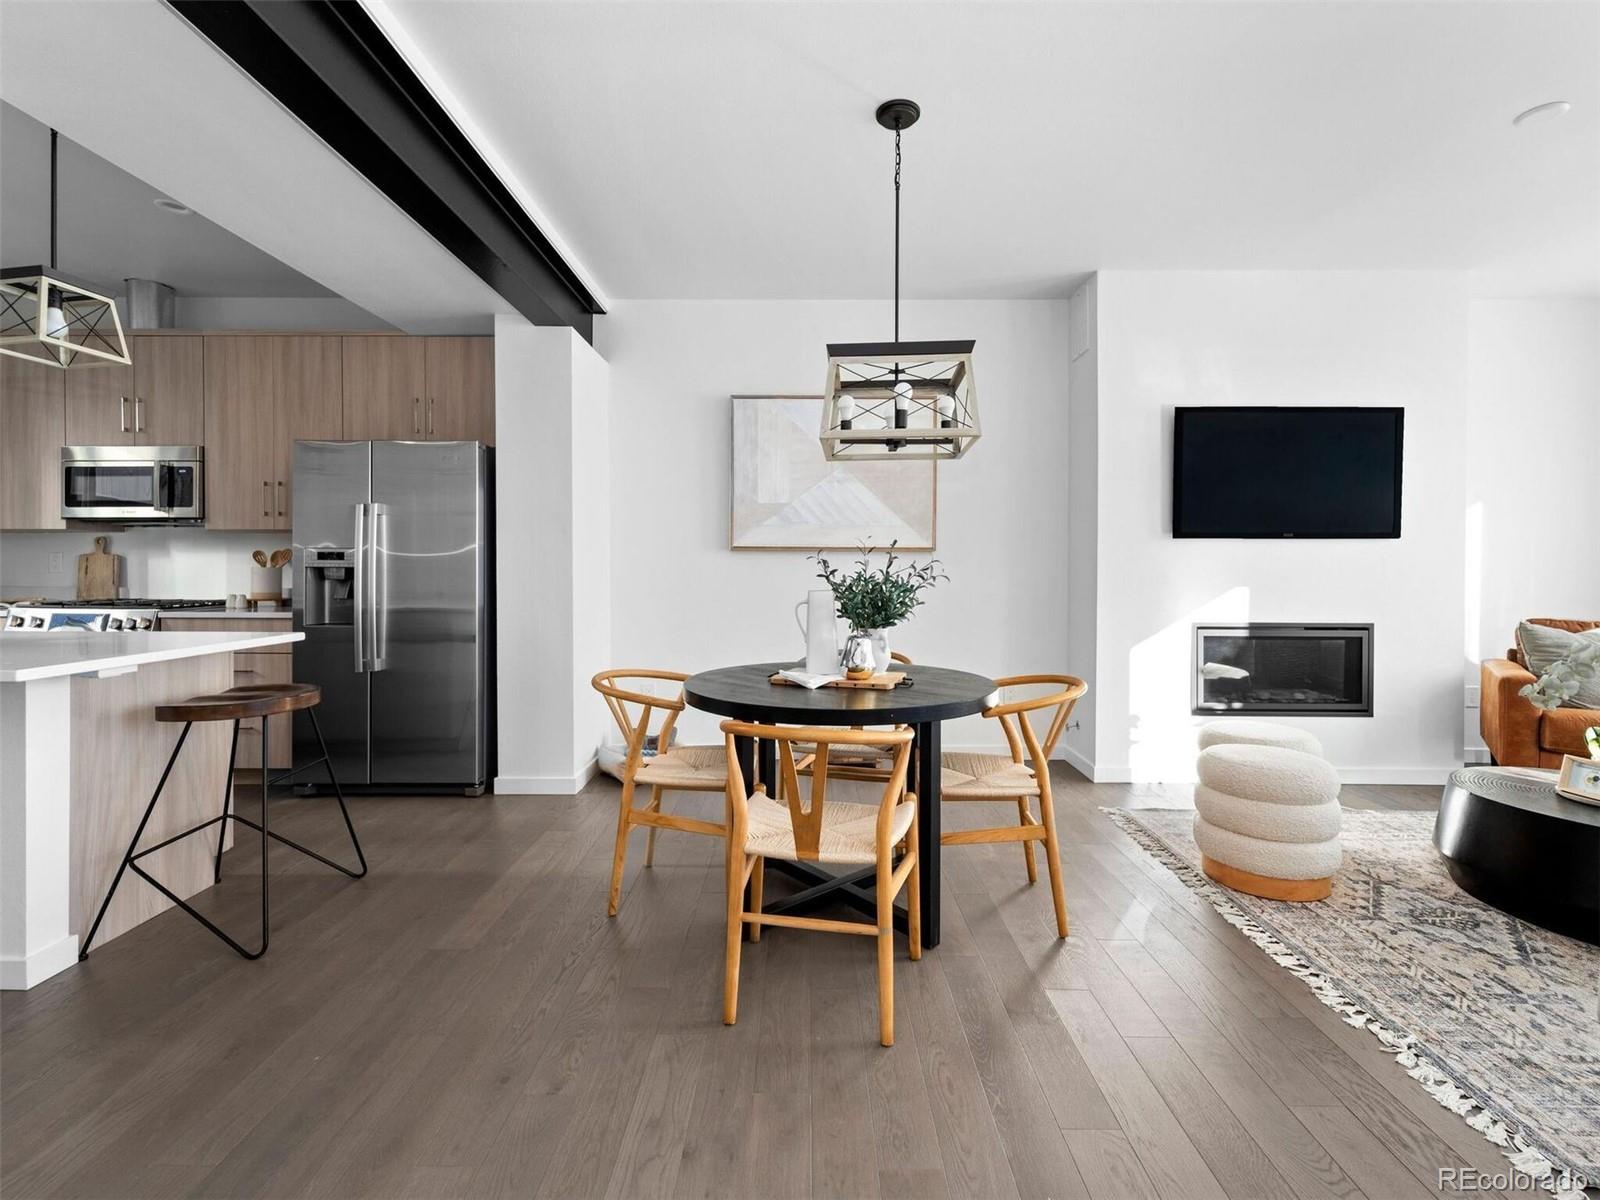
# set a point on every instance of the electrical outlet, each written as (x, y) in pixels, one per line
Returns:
(55, 564)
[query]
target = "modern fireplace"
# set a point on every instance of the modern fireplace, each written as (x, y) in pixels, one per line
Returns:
(1312, 670)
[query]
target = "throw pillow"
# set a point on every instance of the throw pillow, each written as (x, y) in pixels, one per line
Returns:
(1544, 648)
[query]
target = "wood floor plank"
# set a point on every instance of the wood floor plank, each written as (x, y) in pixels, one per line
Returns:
(1368, 1162)
(1110, 1165)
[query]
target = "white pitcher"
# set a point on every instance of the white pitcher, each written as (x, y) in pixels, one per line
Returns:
(823, 632)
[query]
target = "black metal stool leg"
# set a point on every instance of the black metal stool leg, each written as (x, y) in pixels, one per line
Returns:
(127, 857)
(227, 798)
(338, 792)
(266, 759)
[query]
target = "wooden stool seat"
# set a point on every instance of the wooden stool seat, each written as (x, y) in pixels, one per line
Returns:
(241, 703)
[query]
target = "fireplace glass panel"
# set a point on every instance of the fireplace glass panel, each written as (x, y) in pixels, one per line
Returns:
(1308, 669)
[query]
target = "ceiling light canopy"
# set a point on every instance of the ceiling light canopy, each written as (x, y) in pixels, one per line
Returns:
(1542, 112)
(899, 400)
(172, 206)
(50, 318)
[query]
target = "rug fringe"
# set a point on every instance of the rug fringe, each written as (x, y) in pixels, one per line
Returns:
(1513, 1143)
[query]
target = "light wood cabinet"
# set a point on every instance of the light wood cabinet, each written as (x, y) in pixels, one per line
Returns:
(158, 401)
(240, 420)
(169, 399)
(100, 406)
(32, 432)
(384, 382)
(459, 405)
(308, 404)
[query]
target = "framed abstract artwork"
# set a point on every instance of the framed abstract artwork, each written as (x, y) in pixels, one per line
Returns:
(786, 496)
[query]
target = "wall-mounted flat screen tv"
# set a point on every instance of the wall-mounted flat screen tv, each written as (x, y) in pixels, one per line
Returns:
(1287, 472)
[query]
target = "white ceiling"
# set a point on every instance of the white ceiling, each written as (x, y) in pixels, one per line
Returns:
(110, 229)
(130, 81)
(728, 149)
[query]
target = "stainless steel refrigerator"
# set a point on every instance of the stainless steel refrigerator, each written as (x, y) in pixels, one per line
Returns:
(393, 590)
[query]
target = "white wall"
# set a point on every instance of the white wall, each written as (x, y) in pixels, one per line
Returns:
(285, 312)
(165, 564)
(682, 600)
(1270, 338)
(1083, 516)
(552, 555)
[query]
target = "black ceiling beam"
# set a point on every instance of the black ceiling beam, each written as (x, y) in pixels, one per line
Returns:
(330, 64)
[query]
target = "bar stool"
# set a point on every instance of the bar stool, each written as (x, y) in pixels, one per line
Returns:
(235, 704)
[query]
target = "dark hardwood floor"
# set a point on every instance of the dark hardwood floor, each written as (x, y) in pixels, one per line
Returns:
(467, 1022)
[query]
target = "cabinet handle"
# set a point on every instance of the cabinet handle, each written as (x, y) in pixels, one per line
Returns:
(122, 414)
(416, 416)
(266, 498)
(430, 416)
(138, 414)
(280, 497)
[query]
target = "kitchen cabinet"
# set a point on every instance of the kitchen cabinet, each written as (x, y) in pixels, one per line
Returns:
(308, 403)
(384, 382)
(459, 405)
(436, 389)
(158, 401)
(262, 393)
(32, 432)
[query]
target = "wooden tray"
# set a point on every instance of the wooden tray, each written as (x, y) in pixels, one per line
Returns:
(878, 683)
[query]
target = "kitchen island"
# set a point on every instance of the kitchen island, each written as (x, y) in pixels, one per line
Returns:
(80, 754)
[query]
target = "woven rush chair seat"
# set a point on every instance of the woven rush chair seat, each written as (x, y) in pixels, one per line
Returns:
(703, 768)
(984, 776)
(849, 831)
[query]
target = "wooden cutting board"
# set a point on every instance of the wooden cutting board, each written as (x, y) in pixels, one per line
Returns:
(878, 683)
(97, 572)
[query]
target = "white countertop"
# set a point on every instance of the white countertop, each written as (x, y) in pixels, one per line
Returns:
(29, 656)
(225, 614)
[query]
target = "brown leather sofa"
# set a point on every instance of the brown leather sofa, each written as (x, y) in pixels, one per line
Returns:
(1517, 733)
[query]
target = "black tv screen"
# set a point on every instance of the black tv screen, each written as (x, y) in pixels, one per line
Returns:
(1286, 472)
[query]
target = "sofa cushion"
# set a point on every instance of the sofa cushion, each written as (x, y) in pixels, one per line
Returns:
(1543, 647)
(1269, 774)
(1561, 730)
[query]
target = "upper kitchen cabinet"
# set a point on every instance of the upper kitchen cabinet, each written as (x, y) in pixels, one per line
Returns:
(459, 405)
(384, 382)
(158, 401)
(437, 389)
(262, 393)
(240, 423)
(169, 399)
(32, 432)
(309, 405)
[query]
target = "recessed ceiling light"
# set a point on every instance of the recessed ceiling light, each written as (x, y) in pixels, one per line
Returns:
(172, 206)
(1542, 112)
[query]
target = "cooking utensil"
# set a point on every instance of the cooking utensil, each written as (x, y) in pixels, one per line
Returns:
(260, 556)
(97, 572)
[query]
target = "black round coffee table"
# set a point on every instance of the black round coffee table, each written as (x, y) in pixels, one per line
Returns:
(1509, 838)
(930, 695)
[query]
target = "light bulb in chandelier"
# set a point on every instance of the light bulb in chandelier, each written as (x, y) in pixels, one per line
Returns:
(902, 404)
(946, 404)
(847, 411)
(55, 321)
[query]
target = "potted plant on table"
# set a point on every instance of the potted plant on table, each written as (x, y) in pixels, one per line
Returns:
(872, 601)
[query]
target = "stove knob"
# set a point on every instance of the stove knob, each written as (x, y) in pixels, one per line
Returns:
(146, 623)
(113, 623)
(35, 622)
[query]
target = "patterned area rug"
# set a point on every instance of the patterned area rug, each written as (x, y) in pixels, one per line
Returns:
(1495, 1017)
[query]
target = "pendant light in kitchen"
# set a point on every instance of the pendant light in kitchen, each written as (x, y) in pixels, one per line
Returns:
(50, 318)
(899, 400)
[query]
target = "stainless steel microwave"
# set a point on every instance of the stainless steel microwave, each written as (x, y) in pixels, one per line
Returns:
(133, 484)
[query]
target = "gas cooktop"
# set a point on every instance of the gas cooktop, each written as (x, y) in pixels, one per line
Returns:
(137, 602)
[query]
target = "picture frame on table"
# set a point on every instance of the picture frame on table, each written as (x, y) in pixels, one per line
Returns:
(1580, 779)
(785, 495)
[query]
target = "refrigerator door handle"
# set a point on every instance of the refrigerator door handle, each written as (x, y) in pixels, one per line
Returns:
(377, 588)
(362, 587)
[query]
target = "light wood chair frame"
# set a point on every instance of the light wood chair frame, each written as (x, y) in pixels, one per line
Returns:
(855, 771)
(617, 697)
(1023, 740)
(748, 869)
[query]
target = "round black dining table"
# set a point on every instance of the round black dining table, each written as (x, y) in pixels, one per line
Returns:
(927, 697)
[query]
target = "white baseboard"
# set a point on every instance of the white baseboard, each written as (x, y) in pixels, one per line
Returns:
(20, 974)
(1079, 761)
(546, 785)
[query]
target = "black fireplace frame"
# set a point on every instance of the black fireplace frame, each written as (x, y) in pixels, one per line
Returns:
(1361, 708)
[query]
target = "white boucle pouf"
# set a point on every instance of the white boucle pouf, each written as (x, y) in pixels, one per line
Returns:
(1269, 822)
(1258, 733)
(1267, 819)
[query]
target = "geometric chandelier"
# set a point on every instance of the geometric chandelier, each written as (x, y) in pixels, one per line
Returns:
(50, 318)
(899, 400)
